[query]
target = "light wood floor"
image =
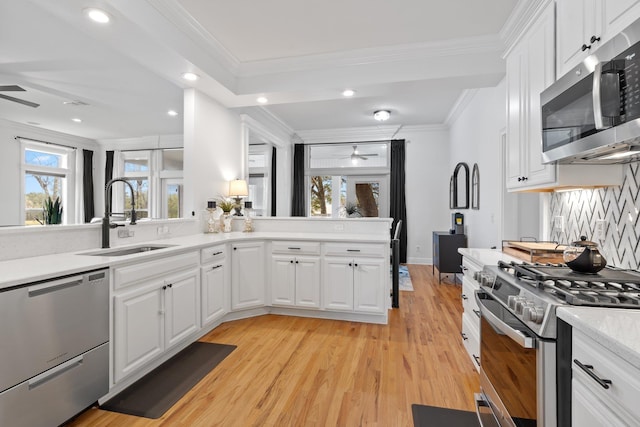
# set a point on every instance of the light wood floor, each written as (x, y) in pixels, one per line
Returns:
(290, 371)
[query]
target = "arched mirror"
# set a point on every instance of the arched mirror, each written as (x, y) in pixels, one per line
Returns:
(459, 187)
(475, 187)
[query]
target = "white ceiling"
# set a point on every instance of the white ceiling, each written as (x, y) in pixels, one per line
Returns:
(413, 57)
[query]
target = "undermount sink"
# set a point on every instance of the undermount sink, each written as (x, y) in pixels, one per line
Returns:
(126, 251)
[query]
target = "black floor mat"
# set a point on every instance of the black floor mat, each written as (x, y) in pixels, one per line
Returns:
(152, 395)
(432, 416)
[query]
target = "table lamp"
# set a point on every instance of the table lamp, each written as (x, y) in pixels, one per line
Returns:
(237, 190)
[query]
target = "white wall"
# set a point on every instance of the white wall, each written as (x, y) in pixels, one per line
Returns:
(476, 137)
(426, 188)
(213, 150)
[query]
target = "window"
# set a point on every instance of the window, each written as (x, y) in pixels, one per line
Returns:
(48, 172)
(348, 180)
(259, 178)
(156, 178)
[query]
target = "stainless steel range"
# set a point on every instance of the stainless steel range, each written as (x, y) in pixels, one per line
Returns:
(522, 349)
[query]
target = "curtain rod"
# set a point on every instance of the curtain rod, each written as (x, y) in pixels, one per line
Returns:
(150, 149)
(44, 142)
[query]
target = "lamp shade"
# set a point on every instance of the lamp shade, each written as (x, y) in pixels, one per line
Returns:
(238, 188)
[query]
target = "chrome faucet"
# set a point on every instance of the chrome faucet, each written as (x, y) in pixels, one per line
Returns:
(107, 210)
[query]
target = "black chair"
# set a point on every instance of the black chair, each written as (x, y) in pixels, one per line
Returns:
(395, 266)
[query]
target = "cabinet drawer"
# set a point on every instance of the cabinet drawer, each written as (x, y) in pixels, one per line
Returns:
(127, 276)
(622, 394)
(299, 248)
(470, 337)
(469, 268)
(213, 253)
(355, 249)
(469, 302)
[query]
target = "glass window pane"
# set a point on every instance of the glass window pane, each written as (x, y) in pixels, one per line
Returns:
(32, 157)
(257, 160)
(257, 184)
(367, 194)
(38, 187)
(141, 193)
(321, 196)
(172, 160)
(330, 156)
(174, 194)
(136, 165)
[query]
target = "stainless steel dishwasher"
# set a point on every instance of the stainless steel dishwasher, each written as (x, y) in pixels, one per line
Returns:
(54, 348)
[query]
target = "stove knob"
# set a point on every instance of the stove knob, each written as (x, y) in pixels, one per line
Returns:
(521, 304)
(487, 280)
(513, 300)
(477, 275)
(533, 314)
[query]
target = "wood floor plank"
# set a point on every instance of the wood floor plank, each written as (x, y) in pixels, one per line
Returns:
(291, 371)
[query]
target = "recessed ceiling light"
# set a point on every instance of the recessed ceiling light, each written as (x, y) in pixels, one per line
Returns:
(97, 15)
(77, 120)
(172, 113)
(262, 100)
(348, 92)
(192, 77)
(381, 115)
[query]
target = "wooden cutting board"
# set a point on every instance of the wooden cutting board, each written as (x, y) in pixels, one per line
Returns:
(537, 246)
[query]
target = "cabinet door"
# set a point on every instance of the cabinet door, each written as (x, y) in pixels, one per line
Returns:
(181, 306)
(587, 410)
(215, 294)
(617, 15)
(337, 278)
(139, 328)
(540, 75)
(283, 280)
(247, 275)
(307, 279)
(577, 23)
(516, 66)
(368, 286)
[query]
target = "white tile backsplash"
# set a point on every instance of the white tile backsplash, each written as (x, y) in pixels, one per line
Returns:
(619, 207)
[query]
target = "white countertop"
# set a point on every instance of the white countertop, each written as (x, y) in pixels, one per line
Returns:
(618, 329)
(25, 270)
(484, 257)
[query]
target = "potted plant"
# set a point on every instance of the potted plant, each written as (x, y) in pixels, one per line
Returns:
(52, 211)
(352, 210)
(226, 204)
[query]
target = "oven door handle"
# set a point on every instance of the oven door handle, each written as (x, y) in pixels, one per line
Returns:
(523, 340)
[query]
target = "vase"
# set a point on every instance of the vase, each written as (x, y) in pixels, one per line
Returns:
(225, 222)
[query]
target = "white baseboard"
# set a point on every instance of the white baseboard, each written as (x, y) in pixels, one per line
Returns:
(423, 261)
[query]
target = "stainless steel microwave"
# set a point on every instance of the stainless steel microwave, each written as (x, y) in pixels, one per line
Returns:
(592, 113)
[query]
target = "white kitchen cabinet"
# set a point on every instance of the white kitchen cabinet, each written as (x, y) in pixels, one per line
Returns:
(247, 275)
(593, 404)
(530, 70)
(584, 25)
(471, 312)
(152, 317)
(295, 281)
(214, 284)
(353, 284)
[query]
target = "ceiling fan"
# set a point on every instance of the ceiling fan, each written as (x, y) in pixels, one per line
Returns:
(357, 155)
(16, 88)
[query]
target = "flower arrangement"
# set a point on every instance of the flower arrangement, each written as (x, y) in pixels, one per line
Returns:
(226, 204)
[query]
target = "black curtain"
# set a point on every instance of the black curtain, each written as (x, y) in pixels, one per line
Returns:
(87, 185)
(398, 203)
(298, 203)
(273, 181)
(108, 172)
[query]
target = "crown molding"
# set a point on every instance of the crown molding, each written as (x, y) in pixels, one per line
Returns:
(268, 126)
(460, 105)
(523, 15)
(377, 55)
(424, 128)
(355, 134)
(178, 16)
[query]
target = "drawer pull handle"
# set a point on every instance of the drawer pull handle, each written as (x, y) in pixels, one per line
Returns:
(463, 268)
(291, 247)
(216, 266)
(477, 359)
(216, 253)
(353, 250)
(464, 297)
(464, 336)
(477, 312)
(589, 370)
(55, 372)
